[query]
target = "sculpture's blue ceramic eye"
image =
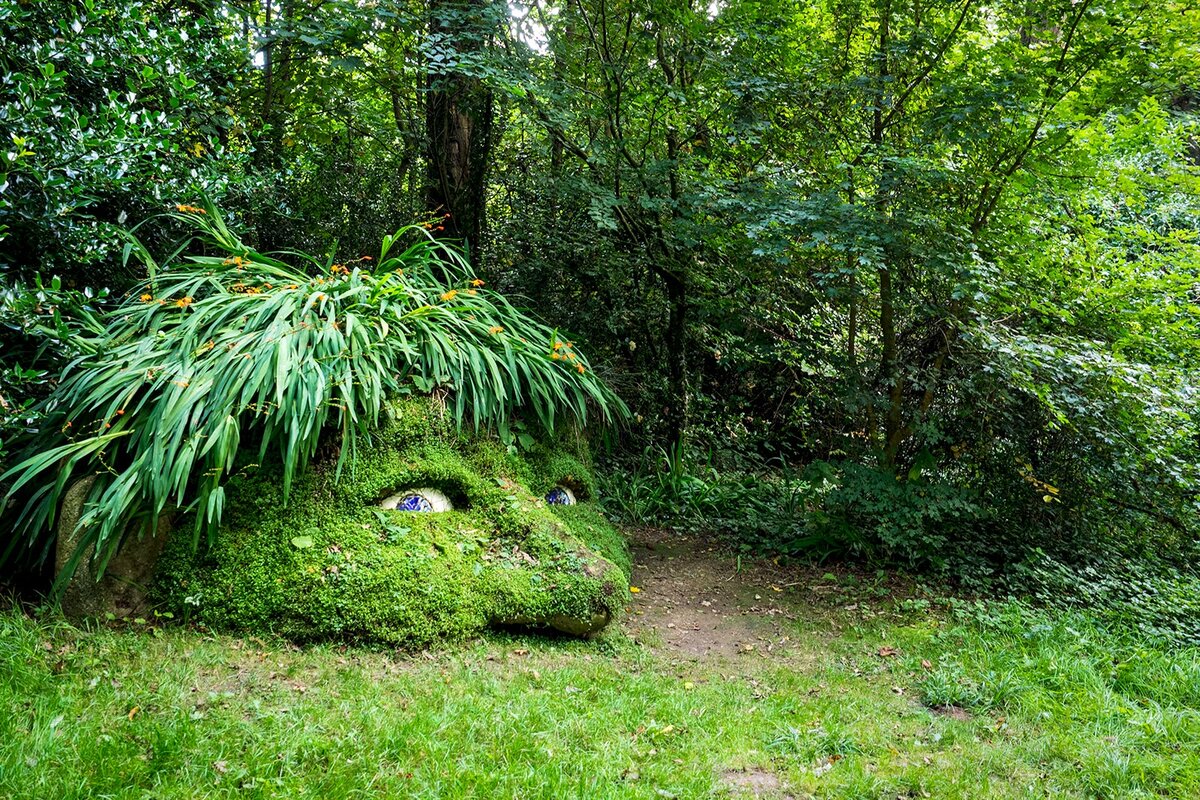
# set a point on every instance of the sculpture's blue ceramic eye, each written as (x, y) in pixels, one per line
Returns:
(413, 502)
(424, 499)
(560, 496)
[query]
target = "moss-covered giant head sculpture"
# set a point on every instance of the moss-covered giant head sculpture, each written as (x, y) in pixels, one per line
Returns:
(340, 561)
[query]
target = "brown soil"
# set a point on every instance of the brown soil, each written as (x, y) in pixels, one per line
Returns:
(753, 783)
(954, 712)
(698, 602)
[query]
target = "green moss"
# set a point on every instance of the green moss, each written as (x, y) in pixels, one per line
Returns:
(589, 526)
(565, 461)
(329, 563)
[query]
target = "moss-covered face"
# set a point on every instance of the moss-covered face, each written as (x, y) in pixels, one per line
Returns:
(340, 560)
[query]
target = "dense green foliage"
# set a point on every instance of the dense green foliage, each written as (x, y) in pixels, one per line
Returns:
(330, 563)
(42, 329)
(914, 280)
(107, 113)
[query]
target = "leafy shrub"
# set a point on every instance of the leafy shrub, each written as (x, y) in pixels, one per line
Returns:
(240, 346)
(764, 510)
(107, 111)
(1156, 597)
(41, 330)
(827, 508)
(908, 519)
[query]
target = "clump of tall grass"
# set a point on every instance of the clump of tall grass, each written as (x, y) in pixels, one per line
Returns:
(232, 346)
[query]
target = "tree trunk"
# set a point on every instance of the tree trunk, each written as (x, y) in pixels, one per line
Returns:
(458, 126)
(677, 412)
(889, 357)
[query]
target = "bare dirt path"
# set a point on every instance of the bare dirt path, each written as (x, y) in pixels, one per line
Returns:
(697, 602)
(709, 612)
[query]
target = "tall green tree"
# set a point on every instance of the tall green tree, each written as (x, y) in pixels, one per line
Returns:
(459, 114)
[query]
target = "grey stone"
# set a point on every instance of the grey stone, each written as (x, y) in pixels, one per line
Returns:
(122, 589)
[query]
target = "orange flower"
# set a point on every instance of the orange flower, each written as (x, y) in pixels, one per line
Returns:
(186, 209)
(580, 368)
(558, 345)
(450, 295)
(477, 283)
(183, 302)
(146, 298)
(496, 329)
(554, 356)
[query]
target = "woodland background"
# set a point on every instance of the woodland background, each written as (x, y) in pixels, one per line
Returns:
(902, 281)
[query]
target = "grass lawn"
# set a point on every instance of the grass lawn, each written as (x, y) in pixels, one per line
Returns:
(831, 687)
